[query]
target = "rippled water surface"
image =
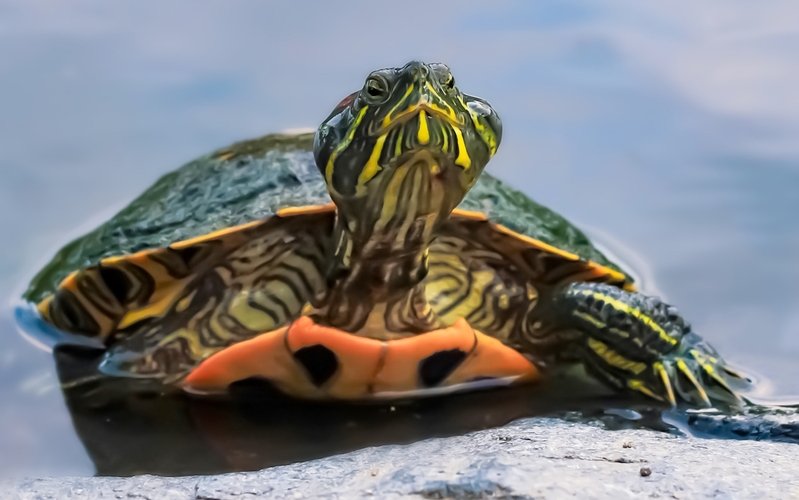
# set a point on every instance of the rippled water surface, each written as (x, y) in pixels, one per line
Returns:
(669, 132)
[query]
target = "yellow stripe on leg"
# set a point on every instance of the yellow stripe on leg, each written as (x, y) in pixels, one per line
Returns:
(615, 359)
(631, 311)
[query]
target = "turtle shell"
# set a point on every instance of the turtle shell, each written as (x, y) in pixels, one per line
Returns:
(207, 272)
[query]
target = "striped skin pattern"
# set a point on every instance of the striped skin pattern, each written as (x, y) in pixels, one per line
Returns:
(160, 313)
(524, 293)
(381, 261)
(642, 344)
(397, 158)
(503, 282)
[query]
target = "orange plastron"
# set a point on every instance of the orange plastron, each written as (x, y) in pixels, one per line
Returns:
(312, 361)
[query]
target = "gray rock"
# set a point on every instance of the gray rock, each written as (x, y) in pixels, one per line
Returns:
(530, 458)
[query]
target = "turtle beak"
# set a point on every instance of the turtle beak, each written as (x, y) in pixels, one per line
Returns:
(426, 126)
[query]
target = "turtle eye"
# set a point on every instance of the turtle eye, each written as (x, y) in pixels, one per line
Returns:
(448, 81)
(376, 89)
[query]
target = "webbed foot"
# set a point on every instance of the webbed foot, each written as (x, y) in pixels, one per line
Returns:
(639, 343)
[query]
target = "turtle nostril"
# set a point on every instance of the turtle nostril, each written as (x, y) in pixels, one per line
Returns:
(419, 71)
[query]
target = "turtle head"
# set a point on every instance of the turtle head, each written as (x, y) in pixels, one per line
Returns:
(405, 148)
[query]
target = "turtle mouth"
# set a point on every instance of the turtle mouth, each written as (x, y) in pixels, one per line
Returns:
(418, 131)
(413, 112)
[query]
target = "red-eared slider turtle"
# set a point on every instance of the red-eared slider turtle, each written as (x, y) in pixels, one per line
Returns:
(388, 291)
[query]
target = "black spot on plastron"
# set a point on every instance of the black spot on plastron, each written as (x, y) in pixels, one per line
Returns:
(116, 282)
(319, 361)
(436, 367)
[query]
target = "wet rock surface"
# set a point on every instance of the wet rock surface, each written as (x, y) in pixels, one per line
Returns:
(530, 458)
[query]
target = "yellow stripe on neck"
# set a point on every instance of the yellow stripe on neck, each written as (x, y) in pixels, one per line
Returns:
(463, 159)
(371, 168)
(342, 146)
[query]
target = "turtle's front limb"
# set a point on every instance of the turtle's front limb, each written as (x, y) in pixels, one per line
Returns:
(636, 342)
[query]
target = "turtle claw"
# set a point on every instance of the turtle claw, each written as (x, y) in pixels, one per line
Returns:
(694, 375)
(688, 374)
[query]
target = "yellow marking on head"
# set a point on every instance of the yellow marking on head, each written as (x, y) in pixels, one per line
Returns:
(423, 134)
(342, 146)
(664, 377)
(683, 367)
(463, 159)
(449, 112)
(489, 136)
(613, 358)
(371, 168)
(390, 115)
(632, 311)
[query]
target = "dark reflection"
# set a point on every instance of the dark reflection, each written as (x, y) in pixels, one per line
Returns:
(129, 428)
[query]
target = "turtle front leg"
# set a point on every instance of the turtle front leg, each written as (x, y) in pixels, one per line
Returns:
(639, 343)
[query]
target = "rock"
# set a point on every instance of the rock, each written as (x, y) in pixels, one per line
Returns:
(529, 458)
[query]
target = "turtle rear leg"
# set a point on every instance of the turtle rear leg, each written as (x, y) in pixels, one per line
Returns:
(639, 343)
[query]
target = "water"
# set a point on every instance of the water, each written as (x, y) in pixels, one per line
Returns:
(668, 131)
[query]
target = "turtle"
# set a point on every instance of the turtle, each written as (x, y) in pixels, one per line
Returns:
(387, 289)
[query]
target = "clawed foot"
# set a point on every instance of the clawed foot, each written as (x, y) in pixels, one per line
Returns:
(693, 375)
(639, 343)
